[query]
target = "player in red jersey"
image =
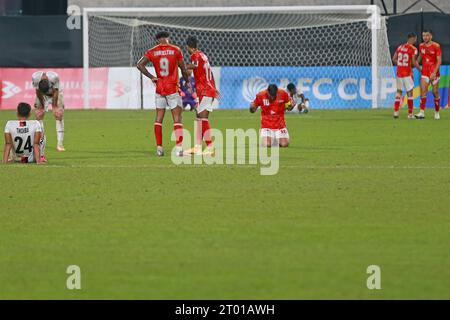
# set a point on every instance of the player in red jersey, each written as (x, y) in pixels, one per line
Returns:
(430, 54)
(405, 59)
(166, 58)
(206, 92)
(273, 103)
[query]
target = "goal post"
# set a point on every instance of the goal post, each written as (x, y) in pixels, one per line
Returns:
(340, 54)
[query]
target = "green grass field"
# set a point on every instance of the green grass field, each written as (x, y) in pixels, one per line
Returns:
(355, 188)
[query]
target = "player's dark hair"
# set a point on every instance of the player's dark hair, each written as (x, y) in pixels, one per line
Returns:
(44, 85)
(290, 86)
(162, 34)
(273, 90)
(24, 109)
(192, 42)
(428, 31)
(412, 35)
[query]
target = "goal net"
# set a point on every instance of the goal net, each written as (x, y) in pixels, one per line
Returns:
(337, 55)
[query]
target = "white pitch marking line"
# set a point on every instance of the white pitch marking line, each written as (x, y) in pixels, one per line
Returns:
(344, 167)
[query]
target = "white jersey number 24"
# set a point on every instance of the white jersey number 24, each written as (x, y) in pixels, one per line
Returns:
(20, 147)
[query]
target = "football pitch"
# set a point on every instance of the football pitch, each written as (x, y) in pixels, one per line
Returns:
(354, 189)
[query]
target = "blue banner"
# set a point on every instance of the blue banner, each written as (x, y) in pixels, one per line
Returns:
(444, 89)
(325, 87)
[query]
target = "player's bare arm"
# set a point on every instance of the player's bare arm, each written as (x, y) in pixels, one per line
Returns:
(395, 58)
(8, 147)
(438, 65)
(253, 107)
(142, 67)
(190, 66)
(40, 96)
(184, 71)
(415, 62)
(217, 90)
(55, 98)
(37, 149)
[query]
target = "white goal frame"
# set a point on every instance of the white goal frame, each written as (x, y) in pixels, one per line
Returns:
(374, 22)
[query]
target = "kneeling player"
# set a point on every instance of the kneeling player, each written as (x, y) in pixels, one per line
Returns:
(405, 59)
(22, 138)
(300, 101)
(273, 103)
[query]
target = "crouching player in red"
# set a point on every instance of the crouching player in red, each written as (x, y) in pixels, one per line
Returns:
(23, 138)
(405, 59)
(273, 103)
(431, 56)
(207, 94)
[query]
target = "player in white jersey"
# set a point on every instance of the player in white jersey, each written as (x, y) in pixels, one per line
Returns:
(48, 92)
(23, 138)
(301, 102)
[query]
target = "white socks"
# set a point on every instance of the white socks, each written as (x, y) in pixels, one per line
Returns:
(60, 132)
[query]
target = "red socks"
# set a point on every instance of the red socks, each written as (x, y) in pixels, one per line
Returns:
(206, 132)
(437, 104)
(410, 105)
(199, 133)
(158, 133)
(397, 104)
(178, 129)
(203, 131)
(423, 103)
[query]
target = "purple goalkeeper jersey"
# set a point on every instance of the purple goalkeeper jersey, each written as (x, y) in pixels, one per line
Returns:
(187, 97)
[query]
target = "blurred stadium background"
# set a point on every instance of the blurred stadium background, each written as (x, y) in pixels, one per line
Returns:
(31, 45)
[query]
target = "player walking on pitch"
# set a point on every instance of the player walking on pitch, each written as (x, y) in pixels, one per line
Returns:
(206, 92)
(273, 103)
(23, 138)
(48, 92)
(166, 58)
(405, 59)
(430, 55)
